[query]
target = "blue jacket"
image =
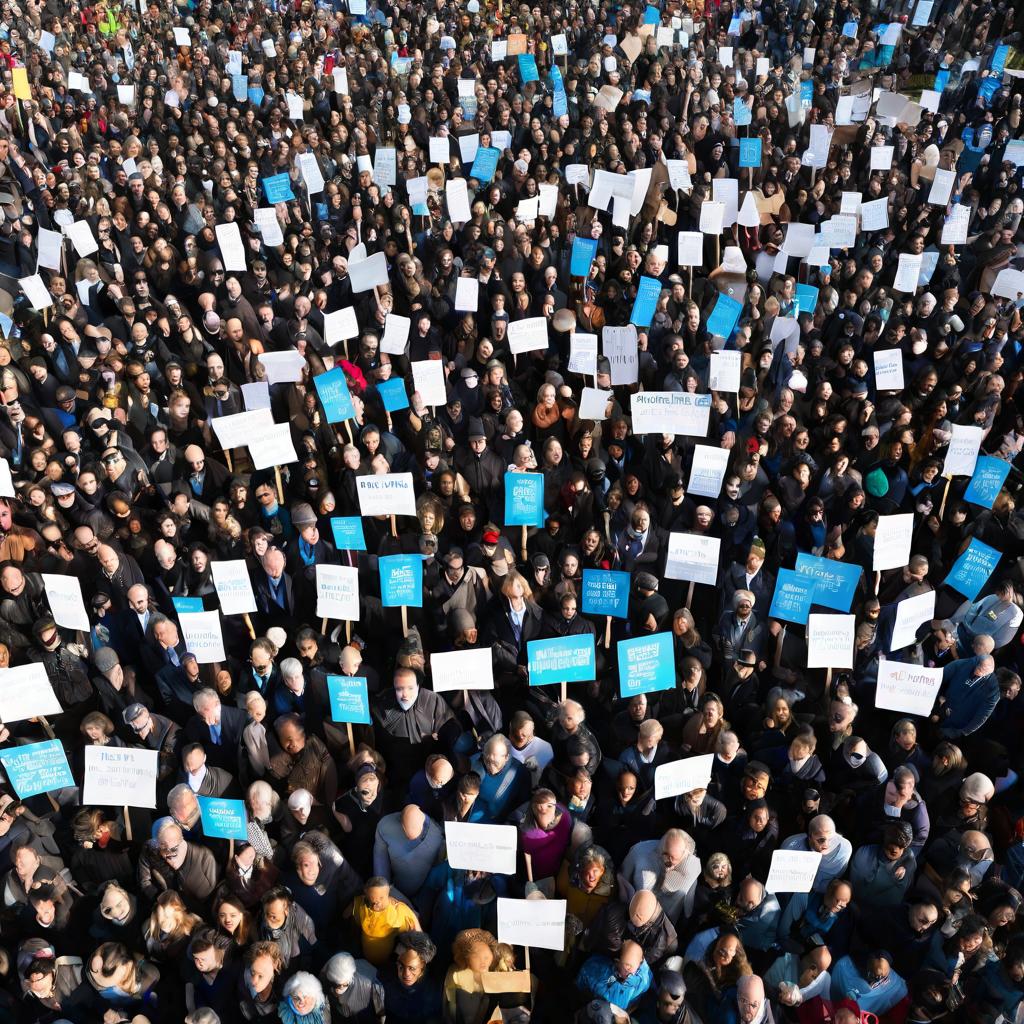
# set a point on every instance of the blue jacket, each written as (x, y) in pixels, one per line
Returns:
(969, 701)
(597, 979)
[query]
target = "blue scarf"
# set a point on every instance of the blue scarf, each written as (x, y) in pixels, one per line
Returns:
(289, 1015)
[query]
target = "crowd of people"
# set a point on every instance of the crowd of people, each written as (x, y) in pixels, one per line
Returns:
(502, 228)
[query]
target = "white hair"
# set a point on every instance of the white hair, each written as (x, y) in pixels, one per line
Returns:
(340, 969)
(206, 695)
(305, 984)
(291, 667)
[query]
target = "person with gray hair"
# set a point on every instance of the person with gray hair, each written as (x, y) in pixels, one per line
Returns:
(821, 837)
(352, 995)
(290, 697)
(668, 867)
(739, 629)
(218, 727)
(504, 781)
(304, 1001)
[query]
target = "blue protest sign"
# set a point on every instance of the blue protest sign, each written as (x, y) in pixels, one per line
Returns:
(606, 592)
(989, 476)
(750, 152)
(485, 163)
(724, 316)
(850, 29)
(256, 95)
(392, 394)
(565, 659)
(646, 301)
(223, 819)
(349, 699)
(741, 113)
(187, 604)
(278, 188)
(999, 56)
(972, 569)
(334, 394)
(652, 16)
(941, 79)
(240, 87)
(793, 596)
(806, 94)
(583, 252)
(806, 299)
(401, 581)
(37, 768)
(835, 582)
(528, 68)
(348, 533)
(524, 499)
(646, 664)
(560, 104)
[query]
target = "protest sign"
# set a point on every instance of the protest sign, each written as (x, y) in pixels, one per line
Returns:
(386, 494)
(683, 776)
(889, 369)
(793, 597)
(725, 371)
(892, 541)
(708, 470)
(836, 582)
(36, 768)
(528, 335)
(563, 659)
(65, 596)
(223, 818)
(202, 634)
(646, 664)
(539, 923)
(335, 397)
(234, 587)
(462, 670)
(348, 533)
(830, 640)
(972, 569)
(792, 871)
(120, 776)
(646, 301)
(911, 614)
(619, 346)
(477, 847)
(337, 592)
(670, 412)
(187, 604)
(524, 499)
(908, 689)
(401, 581)
(989, 476)
(350, 701)
(693, 557)
(962, 453)
(606, 592)
(583, 353)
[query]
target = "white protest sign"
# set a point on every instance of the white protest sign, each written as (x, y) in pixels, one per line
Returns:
(233, 431)
(337, 592)
(385, 166)
(708, 471)
(271, 445)
(889, 369)
(712, 217)
(792, 871)
(440, 150)
(908, 271)
(682, 776)
(269, 225)
(727, 192)
(962, 453)
(462, 670)
(256, 395)
(341, 325)
(234, 588)
(65, 596)
(232, 249)
(583, 353)
(396, 334)
(725, 371)
(386, 494)
(25, 692)
(49, 246)
(911, 614)
(428, 380)
(619, 345)
(476, 847)
(670, 412)
(203, 638)
(467, 294)
(942, 187)
(693, 557)
(82, 238)
(691, 249)
(594, 404)
(457, 193)
(881, 157)
(830, 640)
(954, 231)
(908, 689)
(369, 273)
(539, 923)
(892, 541)
(799, 239)
(528, 335)
(311, 173)
(120, 777)
(874, 216)
(284, 367)
(36, 292)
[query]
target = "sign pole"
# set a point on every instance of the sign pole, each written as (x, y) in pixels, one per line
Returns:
(405, 621)
(351, 739)
(280, 486)
(394, 527)
(127, 823)
(47, 728)
(249, 625)
(323, 626)
(523, 541)
(607, 632)
(689, 594)
(565, 689)
(945, 495)
(878, 581)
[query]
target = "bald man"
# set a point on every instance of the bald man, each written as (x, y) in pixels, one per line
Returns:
(643, 921)
(751, 1005)
(624, 980)
(204, 480)
(758, 923)
(407, 845)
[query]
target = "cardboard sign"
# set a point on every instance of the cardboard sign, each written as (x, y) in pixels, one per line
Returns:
(350, 701)
(64, 594)
(683, 776)
(478, 847)
(401, 581)
(223, 819)
(646, 664)
(830, 640)
(234, 587)
(564, 659)
(462, 670)
(792, 871)
(539, 923)
(908, 689)
(670, 412)
(203, 638)
(605, 592)
(892, 541)
(25, 692)
(911, 614)
(37, 768)
(386, 494)
(693, 558)
(120, 777)
(337, 592)
(524, 499)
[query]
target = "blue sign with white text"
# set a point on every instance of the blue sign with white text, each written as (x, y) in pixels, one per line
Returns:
(335, 397)
(741, 113)
(223, 819)
(485, 163)
(972, 569)
(392, 394)
(836, 582)
(37, 768)
(606, 592)
(989, 476)
(524, 499)
(794, 594)
(348, 533)
(646, 301)
(565, 659)
(187, 604)
(583, 252)
(278, 188)
(349, 699)
(528, 68)
(401, 581)
(646, 664)
(724, 316)
(806, 298)
(750, 152)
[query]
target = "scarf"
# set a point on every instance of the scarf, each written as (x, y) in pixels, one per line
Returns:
(286, 1011)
